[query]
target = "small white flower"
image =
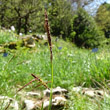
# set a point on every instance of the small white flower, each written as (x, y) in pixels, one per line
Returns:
(12, 28)
(30, 30)
(20, 34)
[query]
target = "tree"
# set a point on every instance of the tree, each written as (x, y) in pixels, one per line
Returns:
(81, 3)
(60, 15)
(21, 14)
(103, 18)
(87, 32)
(3, 11)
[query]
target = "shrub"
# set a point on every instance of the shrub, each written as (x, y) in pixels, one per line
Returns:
(87, 32)
(60, 14)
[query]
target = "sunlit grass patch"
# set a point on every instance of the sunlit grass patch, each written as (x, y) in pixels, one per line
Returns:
(7, 36)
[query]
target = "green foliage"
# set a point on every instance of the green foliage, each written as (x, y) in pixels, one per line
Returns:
(69, 64)
(87, 32)
(24, 15)
(103, 18)
(7, 36)
(80, 102)
(29, 15)
(60, 15)
(72, 35)
(72, 67)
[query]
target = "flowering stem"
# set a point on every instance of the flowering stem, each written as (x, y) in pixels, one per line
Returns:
(46, 25)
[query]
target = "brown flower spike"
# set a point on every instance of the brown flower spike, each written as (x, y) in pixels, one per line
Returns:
(46, 25)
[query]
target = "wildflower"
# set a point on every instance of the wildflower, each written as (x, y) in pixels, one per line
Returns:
(30, 31)
(50, 4)
(5, 54)
(12, 28)
(59, 48)
(94, 49)
(20, 34)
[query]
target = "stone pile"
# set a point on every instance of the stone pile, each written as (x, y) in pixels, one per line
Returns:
(91, 92)
(34, 100)
(58, 99)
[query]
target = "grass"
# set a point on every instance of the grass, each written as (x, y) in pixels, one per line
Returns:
(72, 67)
(7, 36)
(81, 102)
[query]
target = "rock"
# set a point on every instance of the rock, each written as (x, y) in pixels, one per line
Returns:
(37, 37)
(58, 99)
(91, 92)
(77, 89)
(46, 92)
(33, 103)
(6, 102)
(55, 91)
(40, 37)
(28, 41)
(101, 93)
(57, 102)
(45, 104)
(29, 105)
(44, 36)
(33, 94)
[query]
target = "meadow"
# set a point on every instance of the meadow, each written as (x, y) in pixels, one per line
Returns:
(72, 66)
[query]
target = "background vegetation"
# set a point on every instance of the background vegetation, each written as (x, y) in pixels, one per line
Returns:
(68, 19)
(81, 48)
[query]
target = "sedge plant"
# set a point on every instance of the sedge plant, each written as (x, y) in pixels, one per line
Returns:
(46, 25)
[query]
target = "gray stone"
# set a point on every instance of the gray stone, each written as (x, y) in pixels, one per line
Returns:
(91, 92)
(57, 101)
(6, 102)
(28, 41)
(77, 89)
(35, 94)
(55, 91)
(29, 104)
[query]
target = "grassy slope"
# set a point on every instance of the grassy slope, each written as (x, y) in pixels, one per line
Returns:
(72, 67)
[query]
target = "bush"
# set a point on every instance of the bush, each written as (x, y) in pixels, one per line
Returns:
(87, 32)
(60, 14)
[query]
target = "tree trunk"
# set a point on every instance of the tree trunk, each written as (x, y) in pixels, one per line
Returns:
(19, 25)
(26, 24)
